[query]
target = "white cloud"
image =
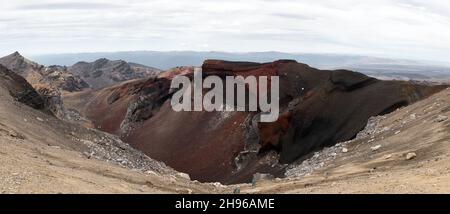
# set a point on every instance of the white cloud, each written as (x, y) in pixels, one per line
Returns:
(395, 28)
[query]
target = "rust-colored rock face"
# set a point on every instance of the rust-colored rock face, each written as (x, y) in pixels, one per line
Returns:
(318, 108)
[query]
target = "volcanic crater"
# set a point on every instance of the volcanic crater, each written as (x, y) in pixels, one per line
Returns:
(318, 108)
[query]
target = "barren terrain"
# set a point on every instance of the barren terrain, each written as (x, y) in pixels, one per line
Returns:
(406, 151)
(35, 158)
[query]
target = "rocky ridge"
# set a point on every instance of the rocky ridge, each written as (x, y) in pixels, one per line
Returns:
(50, 82)
(104, 72)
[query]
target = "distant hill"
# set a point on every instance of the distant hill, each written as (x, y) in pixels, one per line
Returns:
(170, 59)
(104, 72)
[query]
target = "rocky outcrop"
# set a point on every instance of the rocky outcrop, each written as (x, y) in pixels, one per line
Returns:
(19, 64)
(82, 75)
(20, 89)
(28, 69)
(48, 82)
(319, 108)
(104, 72)
(52, 100)
(153, 94)
(54, 76)
(171, 73)
(59, 77)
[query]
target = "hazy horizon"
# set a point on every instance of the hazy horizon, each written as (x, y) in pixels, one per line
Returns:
(170, 59)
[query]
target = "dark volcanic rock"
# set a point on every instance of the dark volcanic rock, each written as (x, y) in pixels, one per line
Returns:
(336, 112)
(52, 100)
(20, 89)
(318, 108)
(153, 94)
(104, 72)
(59, 77)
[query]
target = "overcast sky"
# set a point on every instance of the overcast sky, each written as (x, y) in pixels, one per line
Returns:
(414, 29)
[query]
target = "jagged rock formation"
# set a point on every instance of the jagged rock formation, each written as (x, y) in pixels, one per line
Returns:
(26, 68)
(20, 89)
(52, 100)
(51, 81)
(318, 108)
(48, 81)
(54, 76)
(59, 77)
(82, 75)
(104, 72)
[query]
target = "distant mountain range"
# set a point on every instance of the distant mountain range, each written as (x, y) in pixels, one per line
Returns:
(382, 68)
